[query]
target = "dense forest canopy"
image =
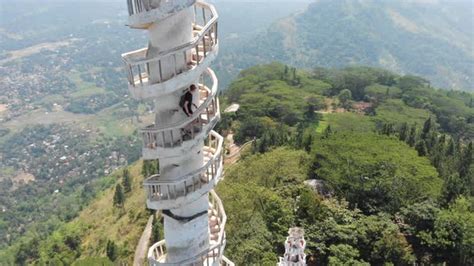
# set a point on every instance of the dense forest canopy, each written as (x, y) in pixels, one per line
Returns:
(288, 96)
(394, 180)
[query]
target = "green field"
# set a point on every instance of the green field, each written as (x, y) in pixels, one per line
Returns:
(84, 88)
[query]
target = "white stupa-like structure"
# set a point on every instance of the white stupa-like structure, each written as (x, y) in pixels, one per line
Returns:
(183, 41)
(294, 249)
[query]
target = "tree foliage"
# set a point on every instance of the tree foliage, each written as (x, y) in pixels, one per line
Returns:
(111, 250)
(119, 196)
(384, 181)
(126, 182)
(374, 173)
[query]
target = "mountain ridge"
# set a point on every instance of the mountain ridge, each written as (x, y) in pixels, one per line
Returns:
(432, 40)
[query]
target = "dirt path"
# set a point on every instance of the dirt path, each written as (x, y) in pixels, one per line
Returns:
(141, 251)
(234, 150)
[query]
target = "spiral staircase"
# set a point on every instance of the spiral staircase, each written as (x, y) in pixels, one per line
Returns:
(183, 42)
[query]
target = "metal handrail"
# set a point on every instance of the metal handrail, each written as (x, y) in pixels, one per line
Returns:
(193, 42)
(198, 112)
(167, 137)
(158, 250)
(136, 7)
(129, 57)
(226, 262)
(154, 139)
(139, 58)
(211, 169)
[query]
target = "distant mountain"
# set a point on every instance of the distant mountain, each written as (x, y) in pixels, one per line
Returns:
(430, 38)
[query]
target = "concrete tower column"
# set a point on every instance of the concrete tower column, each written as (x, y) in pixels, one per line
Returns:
(181, 47)
(184, 238)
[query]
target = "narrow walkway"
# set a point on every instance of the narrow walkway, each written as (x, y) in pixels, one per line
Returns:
(234, 150)
(141, 251)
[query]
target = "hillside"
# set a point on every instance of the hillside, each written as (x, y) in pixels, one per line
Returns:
(359, 157)
(432, 39)
(85, 239)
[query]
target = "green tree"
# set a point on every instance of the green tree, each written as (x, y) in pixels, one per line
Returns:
(345, 98)
(119, 197)
(412, 137)
(431, 142)
(388, 129)
(368, 170)
(421, 148)
(451, 150)
(73, 242)
(157, 228)
(145, 168)
(380, 241)
(264, 143)
(308, 138)
(441, 235)
(409, 82)
(312, 105)
(441, 145)
(298, 138)
(111, 250)
(327, 132)
(403, 132)
(344, 255)
(417, 221)
(126, 181)
(354, 79)
(427, 127)
(27, 251)
(22, 255)
(454, 233)
(309, 206)
(150, 167)
(453, 187)
(466, 161)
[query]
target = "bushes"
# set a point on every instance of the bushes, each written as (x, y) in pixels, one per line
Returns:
(374, 173)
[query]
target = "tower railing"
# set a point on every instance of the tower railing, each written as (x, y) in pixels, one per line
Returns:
(144, 12)
(191, 54)
(201, 121)
(203, 179)
(226, 262)
(136, 7)
(211, 256)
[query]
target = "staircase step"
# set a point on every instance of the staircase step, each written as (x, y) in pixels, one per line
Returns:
(214, 228)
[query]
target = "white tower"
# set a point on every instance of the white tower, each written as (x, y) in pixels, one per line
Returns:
(182, 44)
(294, 249)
